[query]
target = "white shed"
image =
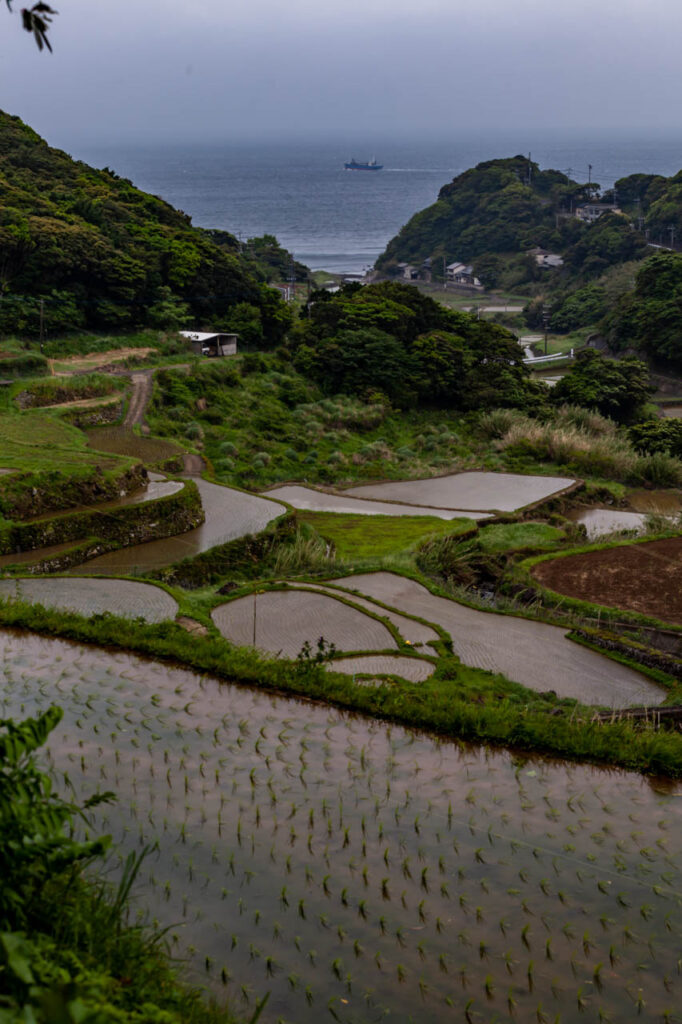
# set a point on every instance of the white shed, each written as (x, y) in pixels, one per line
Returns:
(212, 344)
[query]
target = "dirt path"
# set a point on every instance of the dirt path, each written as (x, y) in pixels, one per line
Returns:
(139, 399)
(534, 654)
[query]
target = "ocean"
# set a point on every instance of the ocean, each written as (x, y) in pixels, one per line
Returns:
(341, 220)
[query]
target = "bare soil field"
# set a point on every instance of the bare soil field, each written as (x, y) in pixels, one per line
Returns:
(92, 597)
(534, 654)
(121, 441)
(311, 500)
(505, 492)
(644, 578)
(286, 619)
(93, 360)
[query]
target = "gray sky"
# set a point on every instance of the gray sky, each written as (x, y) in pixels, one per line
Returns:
(208, 70)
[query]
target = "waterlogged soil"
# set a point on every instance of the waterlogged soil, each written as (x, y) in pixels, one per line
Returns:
(662, 503)
(229, 514)
(644, 578)
(311, 500)
(93, 597)
(282, 621)
(360, 870)
(534, 654)
(504, 492)
(600, 521)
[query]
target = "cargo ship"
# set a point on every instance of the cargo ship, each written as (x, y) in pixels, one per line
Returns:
(363, 165)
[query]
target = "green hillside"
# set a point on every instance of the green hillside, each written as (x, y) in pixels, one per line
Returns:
(98, 252)
(494, 213)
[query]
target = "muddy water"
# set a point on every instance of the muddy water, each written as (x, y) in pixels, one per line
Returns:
(342, 864)
(310, 499)
(600, 521)
(663, 503)
(673, 411)
(229, 514)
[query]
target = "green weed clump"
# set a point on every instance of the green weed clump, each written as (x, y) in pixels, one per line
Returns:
(65, 948)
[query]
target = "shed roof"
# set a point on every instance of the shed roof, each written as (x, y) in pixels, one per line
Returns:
(204, 336)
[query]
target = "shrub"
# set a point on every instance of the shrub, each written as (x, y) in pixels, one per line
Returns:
(497, 422)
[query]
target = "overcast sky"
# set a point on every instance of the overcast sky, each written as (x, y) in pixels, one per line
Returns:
(210, 70)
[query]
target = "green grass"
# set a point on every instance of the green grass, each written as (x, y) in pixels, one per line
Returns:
(457, 701)
(362, 537)
(514, 536)
(40, 441)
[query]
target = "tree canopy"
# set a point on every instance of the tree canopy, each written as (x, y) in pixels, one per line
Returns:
(95, 251)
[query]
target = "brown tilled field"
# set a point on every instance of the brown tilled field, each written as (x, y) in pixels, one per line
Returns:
(644, 578)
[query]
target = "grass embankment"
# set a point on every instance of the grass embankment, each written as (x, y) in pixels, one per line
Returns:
(67, 951)
(361, 537)
(457, 702)
(59, 390)
(54, 468)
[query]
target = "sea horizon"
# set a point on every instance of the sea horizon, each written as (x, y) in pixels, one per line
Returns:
(339, 220)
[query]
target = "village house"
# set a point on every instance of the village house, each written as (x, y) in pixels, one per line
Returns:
(593, 211)
(212, 344)
(462, 274)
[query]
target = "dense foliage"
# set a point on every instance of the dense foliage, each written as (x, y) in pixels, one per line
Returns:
(649, 317)
(392, 339)
(65, 952)
(495, 213)
(84, 247)
(615, 388)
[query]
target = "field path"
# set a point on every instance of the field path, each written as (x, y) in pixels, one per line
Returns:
(534, 654)
(139, 399)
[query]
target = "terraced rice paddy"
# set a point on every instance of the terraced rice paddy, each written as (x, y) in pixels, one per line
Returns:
(504, 492)
(93, 597)
(532, 653)
(312, 500)
(355, 870)
(414, 669)
(281, 621)
(229, 514)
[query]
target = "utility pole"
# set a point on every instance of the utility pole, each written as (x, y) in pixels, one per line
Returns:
(42, 323)
(671, 229)
(589, 174)
(445, 274)
(545, 322)
(530, 171)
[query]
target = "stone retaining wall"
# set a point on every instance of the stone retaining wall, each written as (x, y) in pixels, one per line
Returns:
(118, 527)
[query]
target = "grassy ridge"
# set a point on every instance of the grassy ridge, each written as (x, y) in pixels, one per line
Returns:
(457, 702)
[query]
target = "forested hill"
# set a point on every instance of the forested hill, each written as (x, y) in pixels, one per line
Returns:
(99, 252)
(494, 213)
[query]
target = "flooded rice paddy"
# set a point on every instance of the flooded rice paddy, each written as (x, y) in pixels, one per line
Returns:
(311, 500)
(534, 654)
(229, 514)
(504, 492)
(356, 870)
(94, 597)
(414, 669)
(281, 621)
(600, 521)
